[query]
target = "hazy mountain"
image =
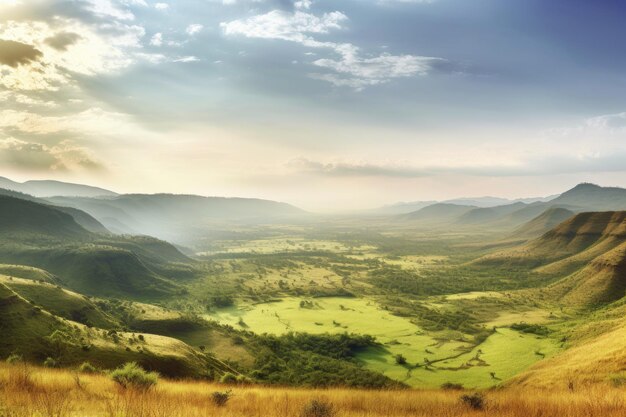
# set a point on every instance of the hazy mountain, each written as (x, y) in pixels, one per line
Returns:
(176, 218)
(48, 238)
(48, 188)
(480, 202)
(438, 213)
(543, 223)
(591, 197)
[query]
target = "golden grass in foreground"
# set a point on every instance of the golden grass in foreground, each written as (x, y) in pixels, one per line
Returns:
(34, 392)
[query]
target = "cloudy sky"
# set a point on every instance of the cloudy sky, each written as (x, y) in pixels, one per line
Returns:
(325, 104)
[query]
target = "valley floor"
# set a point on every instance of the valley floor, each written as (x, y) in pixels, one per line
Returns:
(26, 391)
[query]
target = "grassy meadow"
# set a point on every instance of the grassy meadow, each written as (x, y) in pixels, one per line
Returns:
(39, 392)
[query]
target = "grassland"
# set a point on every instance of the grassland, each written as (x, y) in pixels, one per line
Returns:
(62, 393)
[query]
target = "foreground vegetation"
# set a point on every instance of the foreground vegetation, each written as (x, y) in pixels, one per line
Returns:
(27, 391)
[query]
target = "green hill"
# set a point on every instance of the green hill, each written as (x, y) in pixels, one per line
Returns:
(36, 334)
(543, 223)
(23, 217)
(591, 197)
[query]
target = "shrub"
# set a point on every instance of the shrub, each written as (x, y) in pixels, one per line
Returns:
(14, 358)
(220, 398)
(400, 359)
(318, 408)
(451, 386)
(133, 376)
(475, 401)
(87, 368)
(50, 363)
(228, 378)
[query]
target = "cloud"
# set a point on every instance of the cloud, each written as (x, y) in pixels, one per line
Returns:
(343, 169)
(352, 69)
(104, 49)
(186, 59)
(13, 53)
(156, 39)
(62, 40)
(279, 24)
(32, 156)
(161, 6)
(194, 29)
(109, 9)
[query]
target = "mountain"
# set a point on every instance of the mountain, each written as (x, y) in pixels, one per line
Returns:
(479, 202)
(80, 217)
(176, 218)
(48, 188)
(20, 217)
(543, 223)
(489, 214)
(585, 256)
(591, 197)
(42, 236)
(438, 213)
(403, 207)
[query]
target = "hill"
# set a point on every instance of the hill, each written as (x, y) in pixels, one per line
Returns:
(47, 188)
(36, 334)
(438, 213)
(591, 197)
(44, 237)
(23, 217)
(177, 218)
(543, 223)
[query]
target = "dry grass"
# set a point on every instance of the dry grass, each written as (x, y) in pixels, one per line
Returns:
(34, 392)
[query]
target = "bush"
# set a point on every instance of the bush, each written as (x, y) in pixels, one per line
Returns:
(228, 378)
(400, 359)
(451, 386)
(475, 401)
(50, 363)
(220, 398)
(318, 408)
(14, 358)
(133, 376)
(87, 368)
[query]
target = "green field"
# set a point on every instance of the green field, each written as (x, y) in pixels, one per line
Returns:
(453, 357)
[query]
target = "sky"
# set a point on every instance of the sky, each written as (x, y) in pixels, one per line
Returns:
(329, 105)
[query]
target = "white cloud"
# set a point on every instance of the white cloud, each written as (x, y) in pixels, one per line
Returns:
(186, 59)
(109, 8)
(194, 29)
(95, 50)
(303, 4)
(279, 24)
(156, 39)
(161, 6)
(352, 69)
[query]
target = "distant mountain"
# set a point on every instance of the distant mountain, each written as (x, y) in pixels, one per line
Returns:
(46, 237)
(403, 207)
(438, 213)
(591, 197)
(479, 202)
(489, 214)
(47, 188)
(23, 217)
(543, 223)
(176, 218)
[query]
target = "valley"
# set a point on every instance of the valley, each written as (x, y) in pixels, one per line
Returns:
(364, 301)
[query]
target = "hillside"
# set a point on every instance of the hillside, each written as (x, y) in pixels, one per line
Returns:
(543, 223)
(23, 217)
(437, 213)
(44, 237)
(48, 188)
(36, 334)
(591, 197)
(177, 218)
